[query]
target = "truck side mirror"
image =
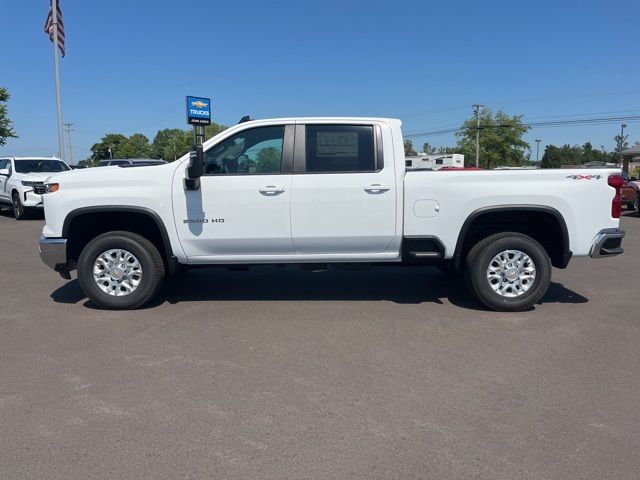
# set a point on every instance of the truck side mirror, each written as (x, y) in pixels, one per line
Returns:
(195, 169)
(4, 172)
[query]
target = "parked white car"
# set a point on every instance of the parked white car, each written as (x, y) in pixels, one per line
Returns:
(319, 191)
(19, 176)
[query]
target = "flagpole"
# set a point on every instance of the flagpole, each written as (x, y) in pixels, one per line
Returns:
(56, 67)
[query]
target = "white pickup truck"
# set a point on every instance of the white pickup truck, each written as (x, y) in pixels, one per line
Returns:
(320, 191)
(20, 176)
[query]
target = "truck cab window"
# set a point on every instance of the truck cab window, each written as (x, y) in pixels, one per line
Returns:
(340, 148)
(257, 151)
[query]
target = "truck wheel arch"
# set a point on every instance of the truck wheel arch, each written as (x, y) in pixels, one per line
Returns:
(560, 255)
(106, 211)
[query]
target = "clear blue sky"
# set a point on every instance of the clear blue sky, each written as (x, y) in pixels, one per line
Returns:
(129, 64)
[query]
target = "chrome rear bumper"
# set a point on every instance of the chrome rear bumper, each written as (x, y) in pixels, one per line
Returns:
(607, 243)
(53, 252)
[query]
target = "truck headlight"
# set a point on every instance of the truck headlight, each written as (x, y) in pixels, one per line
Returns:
(46, 188)
(51, 187)
(26, 183)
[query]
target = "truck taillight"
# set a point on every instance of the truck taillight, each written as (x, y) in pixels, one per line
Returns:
(616, 182)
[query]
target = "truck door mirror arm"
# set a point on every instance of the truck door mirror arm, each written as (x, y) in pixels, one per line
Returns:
(195, 169)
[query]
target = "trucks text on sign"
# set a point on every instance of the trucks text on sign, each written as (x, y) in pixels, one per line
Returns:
(198, 111)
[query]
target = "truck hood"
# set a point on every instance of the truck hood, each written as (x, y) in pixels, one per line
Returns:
(106, 176)
(34, 177)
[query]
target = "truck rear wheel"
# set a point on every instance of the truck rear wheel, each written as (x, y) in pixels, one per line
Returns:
(508, 271)
(120, 270)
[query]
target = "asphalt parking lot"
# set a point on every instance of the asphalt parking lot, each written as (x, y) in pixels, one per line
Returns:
(274, 374)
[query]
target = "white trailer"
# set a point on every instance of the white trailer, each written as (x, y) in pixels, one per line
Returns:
(435, 162)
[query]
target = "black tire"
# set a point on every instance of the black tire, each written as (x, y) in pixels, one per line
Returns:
(19, 211)
(480, 257)
(143, 250)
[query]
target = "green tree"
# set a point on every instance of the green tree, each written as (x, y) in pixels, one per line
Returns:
(552, 157)
(116, 145)
(501, 141)
(621, 144)
(408, 148)
(268, 160)
(589, 154)
(556, 157)
(87, 162)
(136, 146)
(447, 150)
(171, 143)
(212, 130)
(110, 142)
(428, 148)
(168, 144)
(6, 126)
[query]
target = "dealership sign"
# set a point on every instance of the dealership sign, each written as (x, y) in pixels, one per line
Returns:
(198, 111)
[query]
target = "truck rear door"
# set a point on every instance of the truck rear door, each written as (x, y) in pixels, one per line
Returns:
(343, 194)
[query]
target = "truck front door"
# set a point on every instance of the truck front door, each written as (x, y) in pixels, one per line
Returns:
(241, 209)
(343, 193)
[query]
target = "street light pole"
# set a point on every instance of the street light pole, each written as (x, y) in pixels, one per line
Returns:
(69, 130)
(537, 149)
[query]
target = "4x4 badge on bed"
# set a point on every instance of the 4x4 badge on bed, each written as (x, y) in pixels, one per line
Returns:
(584, 177)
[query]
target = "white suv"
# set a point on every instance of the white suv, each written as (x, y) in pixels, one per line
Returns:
(19, 176)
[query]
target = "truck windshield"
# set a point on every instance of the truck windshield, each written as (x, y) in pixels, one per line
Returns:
(34, 166)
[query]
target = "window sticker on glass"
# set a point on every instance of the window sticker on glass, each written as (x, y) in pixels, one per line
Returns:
(341, 144)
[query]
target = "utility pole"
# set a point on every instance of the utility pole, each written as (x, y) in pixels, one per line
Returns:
(68, 128)
(537, 149)
(622, 127)
(476, 112)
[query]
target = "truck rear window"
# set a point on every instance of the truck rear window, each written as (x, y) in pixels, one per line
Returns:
(339, 148)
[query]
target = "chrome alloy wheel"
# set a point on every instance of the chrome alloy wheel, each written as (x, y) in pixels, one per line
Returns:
(511, 273)
(117, 272)
(17, 208)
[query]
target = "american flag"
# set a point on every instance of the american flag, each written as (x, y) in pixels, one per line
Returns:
(48, 28)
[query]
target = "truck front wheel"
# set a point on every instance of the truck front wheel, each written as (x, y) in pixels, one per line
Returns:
(508, 271)
(120, 270)
(18, 209)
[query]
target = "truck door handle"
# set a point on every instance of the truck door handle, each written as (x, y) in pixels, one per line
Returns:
(271, 190)
(377, 188)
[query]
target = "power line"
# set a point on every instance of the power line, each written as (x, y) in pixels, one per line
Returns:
(525, 100)
(549, 123)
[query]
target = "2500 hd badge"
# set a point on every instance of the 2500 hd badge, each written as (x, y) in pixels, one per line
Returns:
(203, 220)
